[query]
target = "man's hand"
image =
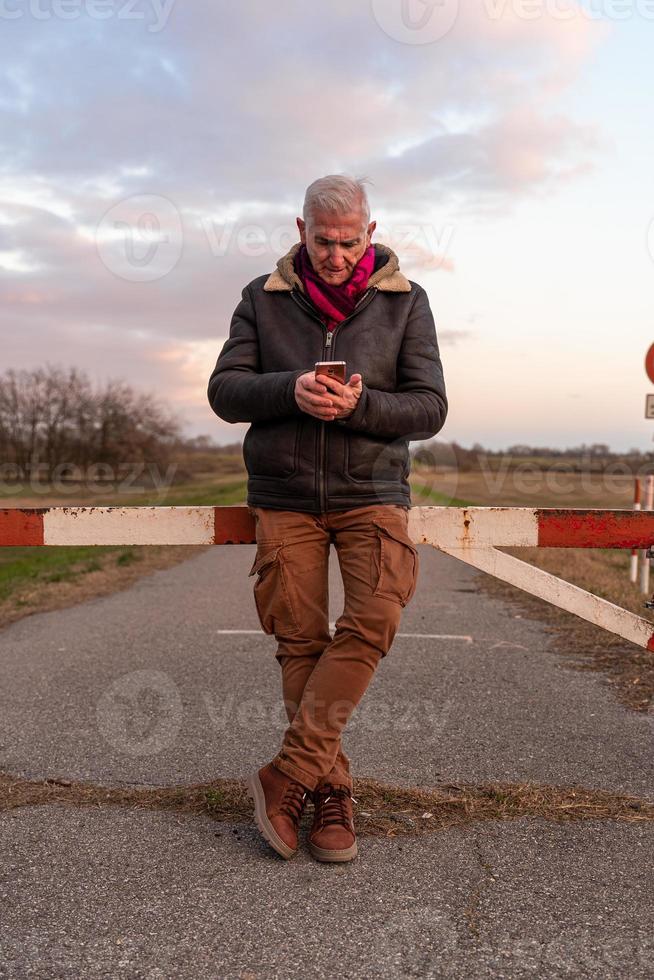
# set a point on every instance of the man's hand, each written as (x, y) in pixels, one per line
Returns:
(343, 397)
(325, 398)
(311, 398)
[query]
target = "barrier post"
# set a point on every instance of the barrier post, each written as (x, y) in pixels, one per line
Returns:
(633, 568)
(645, 562)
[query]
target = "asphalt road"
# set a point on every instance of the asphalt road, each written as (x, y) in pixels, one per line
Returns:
(171, 682)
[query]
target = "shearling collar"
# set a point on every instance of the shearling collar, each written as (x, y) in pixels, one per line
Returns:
(387, 279)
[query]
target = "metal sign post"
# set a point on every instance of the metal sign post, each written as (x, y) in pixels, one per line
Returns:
(646, 556)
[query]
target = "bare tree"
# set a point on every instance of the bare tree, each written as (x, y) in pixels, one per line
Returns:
(53, 416)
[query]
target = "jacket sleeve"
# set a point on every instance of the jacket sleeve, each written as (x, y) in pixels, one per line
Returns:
(237, 391)
(418, 409)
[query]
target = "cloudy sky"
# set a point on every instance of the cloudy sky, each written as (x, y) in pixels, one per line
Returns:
(154, 155)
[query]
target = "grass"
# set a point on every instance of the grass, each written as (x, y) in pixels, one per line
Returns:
(128, 557)
(423, 495)
(381, 810)
(204, 494)
(23, 566)
(508, 488)
(202, 490)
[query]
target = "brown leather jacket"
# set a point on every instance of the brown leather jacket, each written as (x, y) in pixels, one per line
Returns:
(295, 461)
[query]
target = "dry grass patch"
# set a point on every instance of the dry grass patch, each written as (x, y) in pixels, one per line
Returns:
(381, 810)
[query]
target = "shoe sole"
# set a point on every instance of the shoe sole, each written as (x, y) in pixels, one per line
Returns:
(324, 854)
(256, 794)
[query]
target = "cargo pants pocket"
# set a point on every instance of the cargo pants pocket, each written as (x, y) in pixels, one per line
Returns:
(272, 598)
(396, 564)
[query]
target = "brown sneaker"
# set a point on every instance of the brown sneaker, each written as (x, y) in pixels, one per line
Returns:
(332, 836)
(278, 805)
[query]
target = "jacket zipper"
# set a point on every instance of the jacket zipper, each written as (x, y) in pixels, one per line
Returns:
(327, 355)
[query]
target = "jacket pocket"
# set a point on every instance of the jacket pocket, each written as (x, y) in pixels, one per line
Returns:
(396, 563)
(272, 449)
(370, 460)
(272, 598)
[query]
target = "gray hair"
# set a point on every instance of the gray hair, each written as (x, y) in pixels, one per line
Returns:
(337, 193)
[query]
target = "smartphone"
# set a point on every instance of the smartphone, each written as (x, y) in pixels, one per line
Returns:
(333, 369)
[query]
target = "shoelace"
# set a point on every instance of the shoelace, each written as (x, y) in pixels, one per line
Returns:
(332, 805)
(293, 801)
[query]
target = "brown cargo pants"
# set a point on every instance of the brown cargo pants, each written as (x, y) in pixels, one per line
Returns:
(325, 677)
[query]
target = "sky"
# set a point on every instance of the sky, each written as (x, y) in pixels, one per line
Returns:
(154, 156)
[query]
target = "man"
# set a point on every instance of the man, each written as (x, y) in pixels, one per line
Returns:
(328, 462)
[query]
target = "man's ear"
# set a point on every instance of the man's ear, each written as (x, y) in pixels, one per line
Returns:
(370, 230)
(302, 228)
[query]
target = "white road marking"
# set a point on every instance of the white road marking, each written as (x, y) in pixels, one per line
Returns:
(424, 636)
(438, 636)
(507, 645)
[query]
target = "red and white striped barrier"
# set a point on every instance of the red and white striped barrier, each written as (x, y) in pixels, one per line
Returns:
(471, 534)
(451, 527)
(126, 525)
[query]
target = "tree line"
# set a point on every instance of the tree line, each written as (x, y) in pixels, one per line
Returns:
(52, 417)
(596, 457)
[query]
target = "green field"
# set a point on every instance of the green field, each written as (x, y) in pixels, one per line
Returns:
(24, 566)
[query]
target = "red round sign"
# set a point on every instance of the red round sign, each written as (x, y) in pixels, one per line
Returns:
(649, 363)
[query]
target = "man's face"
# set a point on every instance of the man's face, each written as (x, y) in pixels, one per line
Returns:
(335, 243)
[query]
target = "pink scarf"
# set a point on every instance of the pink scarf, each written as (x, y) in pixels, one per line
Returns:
(335, 302)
